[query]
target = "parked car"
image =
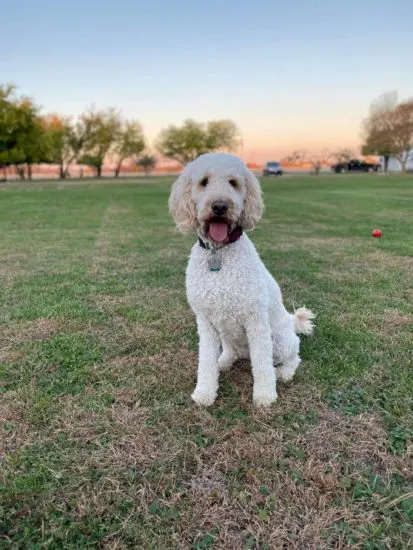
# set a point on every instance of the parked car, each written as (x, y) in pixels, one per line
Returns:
(355, 166)
(273, 168)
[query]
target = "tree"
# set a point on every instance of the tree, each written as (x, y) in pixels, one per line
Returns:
(7, 125)
(100, 130)
(23, 140)
(129, 142)
(344, 155)
(31, 142)
(66, 139)
(377, 128)
(221, 135)
(403, 133)
(314, 158)
(388, 130)
(147, 163)
(192, 139)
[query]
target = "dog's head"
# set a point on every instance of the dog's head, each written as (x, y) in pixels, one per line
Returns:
(215, 193)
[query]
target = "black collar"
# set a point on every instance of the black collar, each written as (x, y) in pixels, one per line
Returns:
(232, 237)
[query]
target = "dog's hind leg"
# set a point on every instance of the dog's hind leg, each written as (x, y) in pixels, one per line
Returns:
(286, 353)
(258, 331)
(227, 357)
(286, 370)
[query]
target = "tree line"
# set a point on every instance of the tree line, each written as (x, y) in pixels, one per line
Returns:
(28, 138)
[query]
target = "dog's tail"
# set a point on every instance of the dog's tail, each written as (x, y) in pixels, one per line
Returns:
(303, 321)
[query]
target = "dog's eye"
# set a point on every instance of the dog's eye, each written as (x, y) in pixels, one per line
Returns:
(233, 182)
(204, 182)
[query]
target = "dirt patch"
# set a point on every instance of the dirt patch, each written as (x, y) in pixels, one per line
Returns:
(144, 296)
(280, 478)
(272, 483)
(38, 329)
(101, 255)
(358, 440)
(15, 431)
(173, 358)
(10, 337)
(397, 318)
(10, 268)
(136, 444)
(278, 501)
(100, 249)
(111, 302)
(8, 355)
(12, 257)
(167, 369)
(121, 435)
(367, 266)
(390, 324)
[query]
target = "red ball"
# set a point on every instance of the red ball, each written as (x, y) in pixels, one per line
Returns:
(376, 233)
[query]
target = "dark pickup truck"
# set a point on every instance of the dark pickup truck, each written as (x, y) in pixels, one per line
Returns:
(355, 166)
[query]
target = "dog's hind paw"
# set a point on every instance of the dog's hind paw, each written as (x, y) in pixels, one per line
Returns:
(225, 362)
(286, 370)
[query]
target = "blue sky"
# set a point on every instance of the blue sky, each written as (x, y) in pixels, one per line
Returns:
(291, 75)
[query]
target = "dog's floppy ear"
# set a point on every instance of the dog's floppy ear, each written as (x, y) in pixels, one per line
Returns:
(253, 203)
(181, 205)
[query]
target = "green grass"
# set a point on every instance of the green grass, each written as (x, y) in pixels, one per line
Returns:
(100, 446)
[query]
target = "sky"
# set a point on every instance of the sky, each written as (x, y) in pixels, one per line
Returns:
(291, 75)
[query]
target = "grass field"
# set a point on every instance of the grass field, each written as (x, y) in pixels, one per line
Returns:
(100, 444)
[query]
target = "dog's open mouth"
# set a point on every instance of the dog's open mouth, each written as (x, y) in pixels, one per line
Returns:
(217, 229)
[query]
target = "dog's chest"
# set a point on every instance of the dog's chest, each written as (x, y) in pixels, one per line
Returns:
(222, 284)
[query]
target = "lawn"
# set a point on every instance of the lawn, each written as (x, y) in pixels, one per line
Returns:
(100, 445)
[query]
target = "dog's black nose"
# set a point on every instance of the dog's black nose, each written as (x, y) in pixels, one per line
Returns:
(219, 208)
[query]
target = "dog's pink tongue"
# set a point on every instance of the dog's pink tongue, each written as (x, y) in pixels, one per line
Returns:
(218, 231)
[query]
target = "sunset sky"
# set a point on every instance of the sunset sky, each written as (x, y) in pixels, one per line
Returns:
(291, 75)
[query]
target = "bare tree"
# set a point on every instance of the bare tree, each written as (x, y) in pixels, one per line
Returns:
(344, 155)
(129, 142)
(315, 158)
(388, 130)
(403, 132)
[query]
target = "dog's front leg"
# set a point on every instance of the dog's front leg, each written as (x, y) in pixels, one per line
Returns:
(209, 348)
(261, 353)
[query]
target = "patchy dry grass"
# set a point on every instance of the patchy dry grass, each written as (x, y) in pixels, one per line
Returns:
(100, 445)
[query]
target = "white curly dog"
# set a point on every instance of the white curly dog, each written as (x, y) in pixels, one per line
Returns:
(237, 303)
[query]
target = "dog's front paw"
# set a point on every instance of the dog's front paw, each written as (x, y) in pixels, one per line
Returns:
(264, 398)
(203, 398)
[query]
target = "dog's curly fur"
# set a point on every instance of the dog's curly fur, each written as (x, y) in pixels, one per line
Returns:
(239, 309)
